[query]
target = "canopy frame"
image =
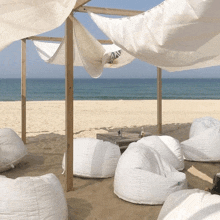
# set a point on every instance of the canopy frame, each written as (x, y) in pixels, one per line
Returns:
(69, 70)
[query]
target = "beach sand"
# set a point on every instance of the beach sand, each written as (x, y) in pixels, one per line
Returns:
(94, 198)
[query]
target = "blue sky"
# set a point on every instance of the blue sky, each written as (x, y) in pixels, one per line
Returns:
(10, 57)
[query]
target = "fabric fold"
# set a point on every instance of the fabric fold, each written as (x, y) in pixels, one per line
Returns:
(88, 52)
(24, 18)
(175, 35)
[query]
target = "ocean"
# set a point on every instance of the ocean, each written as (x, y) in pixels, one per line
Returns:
(111, 89)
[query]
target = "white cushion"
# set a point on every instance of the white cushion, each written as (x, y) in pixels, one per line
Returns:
(168, 147)
(94, 158)
(199, 125)
(204, 144)
(12, 149)
(34, 198)
(143, 176)
(193, 204)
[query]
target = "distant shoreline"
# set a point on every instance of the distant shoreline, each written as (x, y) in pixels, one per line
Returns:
(89, 78)
(112, 89)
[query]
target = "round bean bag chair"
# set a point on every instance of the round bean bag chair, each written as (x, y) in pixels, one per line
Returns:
(168, 147)
(192, 204)
(12, 149)
(93, 158)
(199, 125)
(35, 198)
(204, 143)
(142, 176)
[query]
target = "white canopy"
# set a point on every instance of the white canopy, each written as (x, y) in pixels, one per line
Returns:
(175, 35)
(23, 18)
(88, 52)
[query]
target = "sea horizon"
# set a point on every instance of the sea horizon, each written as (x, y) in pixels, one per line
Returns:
(40, 89)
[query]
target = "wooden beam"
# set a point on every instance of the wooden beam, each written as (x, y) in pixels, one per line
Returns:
(108, 11)
(23, 90)
(43, 38)
(105, 41)
(80, 3)
(159, 100)
(69, 102)
(59, 39)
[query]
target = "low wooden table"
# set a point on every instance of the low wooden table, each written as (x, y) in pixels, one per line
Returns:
(121, 140)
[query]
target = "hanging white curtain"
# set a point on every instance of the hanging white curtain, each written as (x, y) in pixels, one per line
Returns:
(23, 18)
(175, 35)
(88, 52)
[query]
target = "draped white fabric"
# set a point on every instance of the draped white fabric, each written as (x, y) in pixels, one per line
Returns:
(175, 35)
(23, 18)
(88, 52)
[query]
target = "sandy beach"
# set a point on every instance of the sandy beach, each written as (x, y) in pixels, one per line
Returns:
(94, 198)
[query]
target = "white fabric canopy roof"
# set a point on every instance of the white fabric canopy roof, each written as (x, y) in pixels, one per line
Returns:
(175, 35)
(88, 52)
(23, 18)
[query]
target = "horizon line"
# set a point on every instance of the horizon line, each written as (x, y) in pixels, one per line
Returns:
(115, 78)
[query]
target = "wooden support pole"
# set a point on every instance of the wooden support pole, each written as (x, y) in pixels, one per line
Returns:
(159, 100)
(108, 11)
(23, 90)
(69, 102)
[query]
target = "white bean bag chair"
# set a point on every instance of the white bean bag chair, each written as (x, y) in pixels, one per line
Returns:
(35, 198)
(168, 147)
(142, 176)
(12, 149)
(93, 158)
(192, 204)
(199, 125)
(204, 141)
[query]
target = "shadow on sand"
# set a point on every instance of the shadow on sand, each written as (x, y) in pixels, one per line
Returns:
(78, 209)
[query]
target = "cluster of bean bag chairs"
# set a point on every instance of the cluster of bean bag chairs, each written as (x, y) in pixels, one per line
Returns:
(93, 158)
(142, 176)
(25, 198)
(191, 204)
(12, 149)
(34, 198)
(146, 173)
(204, 140)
